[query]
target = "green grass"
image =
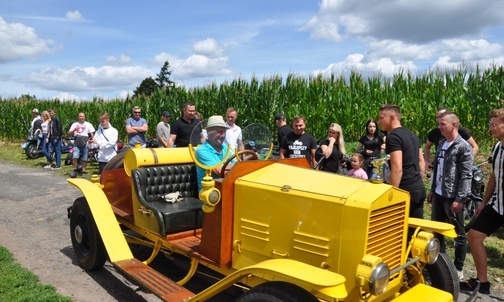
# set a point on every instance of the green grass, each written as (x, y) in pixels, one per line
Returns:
(19, 284)
(14, 154)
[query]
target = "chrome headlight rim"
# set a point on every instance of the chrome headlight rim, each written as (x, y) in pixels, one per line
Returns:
(379, 280)
(432, 250)
(478, 175)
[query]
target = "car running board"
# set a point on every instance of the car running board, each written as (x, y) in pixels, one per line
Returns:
(153, 281)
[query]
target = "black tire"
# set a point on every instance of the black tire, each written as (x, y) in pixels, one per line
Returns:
(32, 152)
(277, 291)
(116, 162)
(68, 159)
(442, 275)
(86, 240)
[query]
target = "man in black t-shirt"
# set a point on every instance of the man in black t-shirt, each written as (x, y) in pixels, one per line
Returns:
(299, 143)
(406, 160)
(181, 129)
(435, 136)
(283, 128)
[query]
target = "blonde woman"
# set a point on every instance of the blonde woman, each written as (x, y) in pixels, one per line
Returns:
(333, 149)
(46, 121)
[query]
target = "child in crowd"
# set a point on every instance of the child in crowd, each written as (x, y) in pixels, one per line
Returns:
(357, 162)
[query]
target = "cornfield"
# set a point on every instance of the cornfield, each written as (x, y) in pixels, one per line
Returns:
(348, 101)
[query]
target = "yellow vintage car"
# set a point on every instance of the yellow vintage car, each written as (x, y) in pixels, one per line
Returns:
(282, 230)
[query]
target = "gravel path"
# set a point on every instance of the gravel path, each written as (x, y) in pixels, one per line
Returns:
(35, 229)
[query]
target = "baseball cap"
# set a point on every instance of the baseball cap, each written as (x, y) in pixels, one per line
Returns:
(279, 116)
(166, 113)
(35, 110)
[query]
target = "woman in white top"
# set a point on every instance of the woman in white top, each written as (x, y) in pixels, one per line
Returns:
(46, 120)
(105, 139)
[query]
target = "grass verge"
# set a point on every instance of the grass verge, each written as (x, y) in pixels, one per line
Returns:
(19, 284)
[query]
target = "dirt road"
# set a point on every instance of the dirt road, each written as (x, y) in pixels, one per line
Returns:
(35, 229)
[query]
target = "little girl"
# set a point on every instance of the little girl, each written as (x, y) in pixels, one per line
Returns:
(357, 162)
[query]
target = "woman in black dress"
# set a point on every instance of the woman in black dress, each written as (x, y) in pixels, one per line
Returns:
(371, 145)
(333, 149)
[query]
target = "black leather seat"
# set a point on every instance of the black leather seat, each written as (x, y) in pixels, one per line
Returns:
(152, 183)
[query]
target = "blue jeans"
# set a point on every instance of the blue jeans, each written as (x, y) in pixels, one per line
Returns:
(45, 148)
(56, 145)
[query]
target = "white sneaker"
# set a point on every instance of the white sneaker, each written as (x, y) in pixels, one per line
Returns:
(460, 275)
(49, 166)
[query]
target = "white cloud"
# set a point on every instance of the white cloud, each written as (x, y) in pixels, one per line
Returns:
(407, 20)
(368, 68)
(208, 48)
(74, 16)
(387, 57)
(208, 60)
(77, 79)
(18, 41)
(121, 60)
(63, 96)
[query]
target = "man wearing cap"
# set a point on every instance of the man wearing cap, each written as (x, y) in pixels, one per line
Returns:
(163, 129)
(213, 149)
(283, 128)
(34, 124)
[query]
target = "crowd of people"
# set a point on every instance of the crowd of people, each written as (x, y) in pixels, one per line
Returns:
(451, 166)
(450, 182)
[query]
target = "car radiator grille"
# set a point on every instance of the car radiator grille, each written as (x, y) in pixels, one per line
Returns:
(386, 227)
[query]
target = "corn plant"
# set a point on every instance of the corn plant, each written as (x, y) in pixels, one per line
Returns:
(348, 101)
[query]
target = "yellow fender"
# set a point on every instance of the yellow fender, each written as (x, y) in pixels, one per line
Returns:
(314, 279)
(442, 228)
(106, 222)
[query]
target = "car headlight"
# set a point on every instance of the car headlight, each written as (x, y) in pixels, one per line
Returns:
(478, 175)
(426, 247)
(372, 275)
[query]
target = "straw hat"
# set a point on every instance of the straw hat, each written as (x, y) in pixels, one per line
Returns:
(216, 121)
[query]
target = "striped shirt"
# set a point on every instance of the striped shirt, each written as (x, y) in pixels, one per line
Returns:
(497, 200)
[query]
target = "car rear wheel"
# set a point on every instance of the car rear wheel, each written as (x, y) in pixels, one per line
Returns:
(277, 292)
(86, 240)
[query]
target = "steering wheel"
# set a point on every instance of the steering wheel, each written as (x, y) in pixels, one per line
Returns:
(240, 153)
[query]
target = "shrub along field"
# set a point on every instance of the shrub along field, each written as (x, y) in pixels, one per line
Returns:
(349, 102)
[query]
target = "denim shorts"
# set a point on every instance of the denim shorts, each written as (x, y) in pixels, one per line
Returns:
(80, 150)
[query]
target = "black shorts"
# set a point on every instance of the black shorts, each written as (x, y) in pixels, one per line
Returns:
(488, 221)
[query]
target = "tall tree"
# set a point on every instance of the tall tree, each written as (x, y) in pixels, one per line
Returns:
(163, 77)
(147, 87)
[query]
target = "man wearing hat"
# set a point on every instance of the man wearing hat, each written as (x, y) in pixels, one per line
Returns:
(283, 128)
(163, 129)
(34, 124)
(213, 149)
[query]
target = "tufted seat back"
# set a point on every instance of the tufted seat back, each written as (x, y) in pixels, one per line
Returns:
(152, 183)
(167, 179)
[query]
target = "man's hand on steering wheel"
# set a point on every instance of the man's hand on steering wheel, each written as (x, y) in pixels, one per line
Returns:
(240, 153)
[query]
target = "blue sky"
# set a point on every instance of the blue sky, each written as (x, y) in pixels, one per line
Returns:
(81, 49)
